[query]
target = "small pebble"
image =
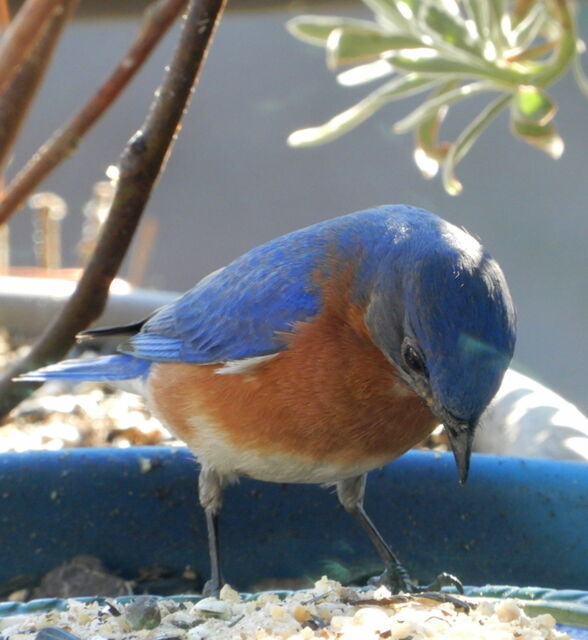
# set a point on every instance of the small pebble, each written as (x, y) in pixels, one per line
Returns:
(213, 607)
(143, 613)
(109, 606)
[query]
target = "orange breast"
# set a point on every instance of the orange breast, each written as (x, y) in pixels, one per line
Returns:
(331, 397)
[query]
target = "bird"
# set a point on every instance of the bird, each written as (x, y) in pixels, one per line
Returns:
(321, 355)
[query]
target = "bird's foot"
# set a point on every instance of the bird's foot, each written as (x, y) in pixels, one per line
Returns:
(404, 589)
(396, 578)
(212, 587)
(442, 580)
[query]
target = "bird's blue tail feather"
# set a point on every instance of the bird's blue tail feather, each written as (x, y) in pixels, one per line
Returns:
(104, 368)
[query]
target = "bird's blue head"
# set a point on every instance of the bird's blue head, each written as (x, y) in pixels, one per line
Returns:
(442, 313)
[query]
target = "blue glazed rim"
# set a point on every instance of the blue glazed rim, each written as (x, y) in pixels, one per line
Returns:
(569, 607)
(55, 505)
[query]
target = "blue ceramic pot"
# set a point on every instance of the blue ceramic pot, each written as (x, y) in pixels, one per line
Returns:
(517, 521)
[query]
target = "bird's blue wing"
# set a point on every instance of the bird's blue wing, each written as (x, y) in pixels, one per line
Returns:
(238, 311)
(241, 310)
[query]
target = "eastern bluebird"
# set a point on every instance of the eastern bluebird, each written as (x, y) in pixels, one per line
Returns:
(321, 355)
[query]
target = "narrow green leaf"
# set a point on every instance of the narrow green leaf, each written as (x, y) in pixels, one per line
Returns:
(427, 135)
(565, 52)
(343, 122)
(478, 13)
(451, 29)
(429, 61)
(413, 5)
(398, 13)
(526, 32)
(543, 137)
(534, 104)
(353, 44)
(316, 29)
(430, 106)
(466, 140)
(450, 182)
(364, 73)
(429, 152)
(496, 14)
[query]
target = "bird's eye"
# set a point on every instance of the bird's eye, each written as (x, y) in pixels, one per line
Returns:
(414, 360)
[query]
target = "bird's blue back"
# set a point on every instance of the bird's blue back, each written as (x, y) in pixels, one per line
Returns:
(240, 310)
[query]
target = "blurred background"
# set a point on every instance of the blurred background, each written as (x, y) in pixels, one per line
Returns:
(232, 183)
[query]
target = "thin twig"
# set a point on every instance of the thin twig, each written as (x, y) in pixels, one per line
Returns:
(140, 164)
(158, 18)
(18, 95)
(403, 598)
(22, 34)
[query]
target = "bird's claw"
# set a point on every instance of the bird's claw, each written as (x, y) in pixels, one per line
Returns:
(398, 581)
(444, 580)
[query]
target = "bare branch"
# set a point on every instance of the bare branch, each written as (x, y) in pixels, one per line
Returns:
(158, 18)
(22, 34)
(20, 91)
(140, 164)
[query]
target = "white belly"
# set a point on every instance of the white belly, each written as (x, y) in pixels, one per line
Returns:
(212, 448)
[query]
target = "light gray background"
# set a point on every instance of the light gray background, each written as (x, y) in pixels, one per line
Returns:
(232, 182)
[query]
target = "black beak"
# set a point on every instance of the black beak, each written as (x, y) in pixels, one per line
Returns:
(461, 437)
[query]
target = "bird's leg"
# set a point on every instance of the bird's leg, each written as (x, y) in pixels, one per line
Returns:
(350, 493)
(214, 584)
(210, 494)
